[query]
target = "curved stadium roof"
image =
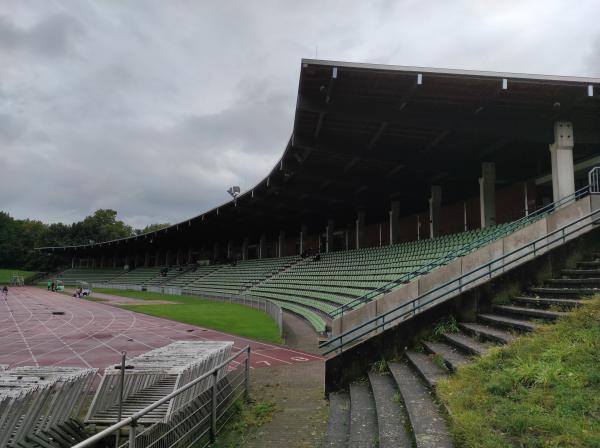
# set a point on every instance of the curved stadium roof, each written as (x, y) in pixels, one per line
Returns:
(365, 134)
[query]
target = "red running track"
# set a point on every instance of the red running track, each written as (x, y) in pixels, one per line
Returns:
(91, 334)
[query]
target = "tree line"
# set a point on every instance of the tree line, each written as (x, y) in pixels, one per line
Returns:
(19, 237)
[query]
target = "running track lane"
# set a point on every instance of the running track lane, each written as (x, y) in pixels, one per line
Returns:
(91, 334)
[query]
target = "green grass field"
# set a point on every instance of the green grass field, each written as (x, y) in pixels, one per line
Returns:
(222, 316)
(6, 274)
(541, 391)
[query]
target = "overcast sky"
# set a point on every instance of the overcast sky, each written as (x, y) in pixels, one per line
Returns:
(154, 108)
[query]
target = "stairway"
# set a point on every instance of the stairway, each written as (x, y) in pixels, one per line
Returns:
(398, 408)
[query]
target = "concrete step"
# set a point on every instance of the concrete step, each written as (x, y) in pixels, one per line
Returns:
(543, 302)
(563, 292)
(487, 332)
(338, 426)
(507, 322)
(581, 273)
(392, 420)
(426, 367)
(467, 343)
(589, 264)
(426, 419)
(588, 282)
(452, 356)
(528, 312)
(363, 417)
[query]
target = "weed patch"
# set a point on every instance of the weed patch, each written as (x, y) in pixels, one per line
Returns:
(541, 391)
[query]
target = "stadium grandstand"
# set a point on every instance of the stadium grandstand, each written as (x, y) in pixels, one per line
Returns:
(388, 170)
(400, 190)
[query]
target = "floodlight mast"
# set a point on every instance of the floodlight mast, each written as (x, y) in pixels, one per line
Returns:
(234, 191)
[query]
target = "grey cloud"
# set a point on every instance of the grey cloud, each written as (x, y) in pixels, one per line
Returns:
(155, 110)
(50, 37)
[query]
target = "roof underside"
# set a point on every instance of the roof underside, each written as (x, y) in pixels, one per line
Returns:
(364, 135)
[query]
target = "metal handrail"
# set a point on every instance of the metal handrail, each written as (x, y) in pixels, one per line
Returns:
(487, 267)
(132, 420)
(461, 251)
(594, 180)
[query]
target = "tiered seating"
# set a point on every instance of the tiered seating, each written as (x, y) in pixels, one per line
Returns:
(138, 276)
(172, 273)
(191, 275)
(310, 288)
(338, 278)
(235, 279)
(74, 276)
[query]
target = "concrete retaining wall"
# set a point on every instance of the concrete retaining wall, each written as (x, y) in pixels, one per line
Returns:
(475, 268)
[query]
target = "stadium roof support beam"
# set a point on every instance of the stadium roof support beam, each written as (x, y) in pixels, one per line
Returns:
(329, 235)
(262, 246)
(328, 97)
(360, 228)
(561, 157)
(435, 210)
(245, 248)
(487, 194)
(395, 222)
(303, 233)
(280, 243)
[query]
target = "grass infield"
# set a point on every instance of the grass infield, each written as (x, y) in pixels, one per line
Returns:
(6, 275)
(541, 391)
(222, 316)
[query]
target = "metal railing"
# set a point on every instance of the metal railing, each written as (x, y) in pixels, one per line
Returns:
(458, 284)
(461, 251)
(594, 180)
(195, 422)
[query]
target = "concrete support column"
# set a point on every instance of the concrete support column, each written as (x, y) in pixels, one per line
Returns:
(435, 208)
(245, 249)
(157, 258)
(189, 256)
(126, 260)
(168, 257)
(229, 249)
(395, 222)
(216, 250)
(487, 194)
(303, 234)
(94, 262)
(280, 243)
(262, 246)
(360, 229)
(179, 256)
(526, 198)
(147, 259)
(72, 262)
(329, 235)
(561, 156)
(346, 235)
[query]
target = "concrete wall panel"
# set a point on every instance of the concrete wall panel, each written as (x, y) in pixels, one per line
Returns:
(435, 279)
(396, 298)
(514, 244)
(482, 256)
(566, 215)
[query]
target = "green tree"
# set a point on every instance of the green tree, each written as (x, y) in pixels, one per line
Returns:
(151, 228)
(103, 225)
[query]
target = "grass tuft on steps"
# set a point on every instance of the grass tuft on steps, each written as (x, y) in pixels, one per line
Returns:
(543, 390)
